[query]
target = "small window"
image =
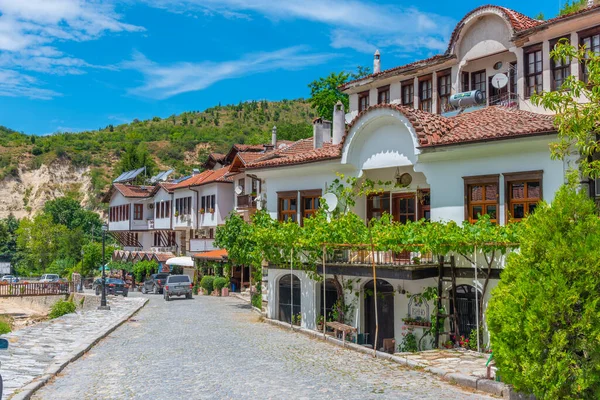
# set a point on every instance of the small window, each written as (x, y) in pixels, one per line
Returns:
(589, 39)
(288, 207)
(424, 197)
(363, 101)
(138, 212)
(242, 184)
(377, 205)
(404, 207)
(533, 70)
(383, 95)
(481, 194)
(212, 201)
(560, 70)
(478, 82)
(465, 82)
(310, 202)
(444, 91)
(408, 93)
(523, 194)
(513, 77)
(425, 95)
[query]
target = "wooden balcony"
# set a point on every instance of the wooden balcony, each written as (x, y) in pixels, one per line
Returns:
(246, 201)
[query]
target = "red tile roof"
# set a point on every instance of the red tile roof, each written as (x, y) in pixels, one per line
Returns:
(134, 190)
(300, 152)
(220, 255)
(205, 177)
(560, 18)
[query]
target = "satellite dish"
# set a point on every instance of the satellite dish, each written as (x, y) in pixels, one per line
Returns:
(499, 80)
(331, 200)
(239, 190)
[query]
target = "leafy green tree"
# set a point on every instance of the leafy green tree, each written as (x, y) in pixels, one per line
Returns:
(136, 157)
(39, 241)
(572, 6)
(325, 93)
(361, 72)
(544, 315)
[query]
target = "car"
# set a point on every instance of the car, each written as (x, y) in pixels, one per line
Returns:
(178, 285)
(10, 279)
(155, 283)
(113, 286)
(46, 278)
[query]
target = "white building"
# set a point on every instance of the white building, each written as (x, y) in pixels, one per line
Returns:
(493, 159)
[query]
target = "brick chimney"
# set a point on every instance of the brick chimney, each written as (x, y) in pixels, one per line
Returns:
(339, 122)
(321, 132)
(376, 62)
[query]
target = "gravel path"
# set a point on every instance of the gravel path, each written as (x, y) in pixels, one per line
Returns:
(216, 348)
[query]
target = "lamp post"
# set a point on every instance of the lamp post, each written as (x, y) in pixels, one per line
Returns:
(103, 305)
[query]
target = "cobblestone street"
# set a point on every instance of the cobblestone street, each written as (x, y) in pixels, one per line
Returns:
(216, 348)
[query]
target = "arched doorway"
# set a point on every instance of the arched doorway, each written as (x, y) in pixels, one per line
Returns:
(289, 297)
(466, 309)
(385, 311)
(331, 297)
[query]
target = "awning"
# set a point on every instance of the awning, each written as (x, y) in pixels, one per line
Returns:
(214, 255)
(181, 261)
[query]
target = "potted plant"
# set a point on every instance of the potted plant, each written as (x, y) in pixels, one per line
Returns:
(320, 322)
(176, 214)
(201, 211)
(211, 210)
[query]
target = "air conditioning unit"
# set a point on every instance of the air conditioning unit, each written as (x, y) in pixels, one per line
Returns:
(203, 233)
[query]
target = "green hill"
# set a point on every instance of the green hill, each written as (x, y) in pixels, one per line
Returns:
(180, 141)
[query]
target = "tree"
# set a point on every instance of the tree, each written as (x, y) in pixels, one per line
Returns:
(136, 157)
(573, 6)
(576, 121)
(325, 93)
(544, 316)
(39, 241)
(68, 212)
(361, 72)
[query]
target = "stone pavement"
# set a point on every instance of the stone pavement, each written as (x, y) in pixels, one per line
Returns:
(217, 348)
(38, 350)
(452, 361)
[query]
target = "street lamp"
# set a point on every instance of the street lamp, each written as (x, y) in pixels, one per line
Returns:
(103, 305)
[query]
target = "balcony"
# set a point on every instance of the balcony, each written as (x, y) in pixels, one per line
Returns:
(381, 258)
(246, 201)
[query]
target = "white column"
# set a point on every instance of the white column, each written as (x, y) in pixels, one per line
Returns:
(547, 76)
(416, 93)
(575, 70)
(434, 93)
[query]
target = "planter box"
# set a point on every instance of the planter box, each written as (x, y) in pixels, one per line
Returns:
(225, 292)
(216, 293)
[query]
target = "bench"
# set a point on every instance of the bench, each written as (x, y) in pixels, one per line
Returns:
(339, 327)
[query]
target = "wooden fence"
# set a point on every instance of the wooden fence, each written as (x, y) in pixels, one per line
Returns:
(36, 289)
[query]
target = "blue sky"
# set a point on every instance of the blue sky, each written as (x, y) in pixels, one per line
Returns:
(71, 65)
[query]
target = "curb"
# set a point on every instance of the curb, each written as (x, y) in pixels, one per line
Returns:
(471, 382)
(25, 392)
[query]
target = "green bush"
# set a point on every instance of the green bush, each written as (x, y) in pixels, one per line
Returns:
(61, 308)
(257, 300)
(5, 326)
(544, 315)
(219, 283)
(207, 283)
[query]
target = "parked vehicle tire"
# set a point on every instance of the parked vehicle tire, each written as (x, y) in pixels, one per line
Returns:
(144, 291)
(155, 290)
(188, 296)
(167, 298)
(125, 294)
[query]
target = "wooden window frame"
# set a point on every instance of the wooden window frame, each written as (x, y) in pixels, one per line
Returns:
(582, 35)
(370, 204)
(361, 96)
(480, 180)
(385, 92)
(475, 83)
(521, 177)
(444, 98)
(426, 79)
(396, 197)
(242, 184)
(309, 194)
(410, 85)
(422, 208)
(554, 69)
(289, 195)
(138, 212)
(534, 49)
(465, 81)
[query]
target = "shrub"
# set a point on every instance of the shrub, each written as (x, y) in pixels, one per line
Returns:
(544, 315)
(219, 283)
(207, 283)
(257, 300)
(62, 308)
(5, 326)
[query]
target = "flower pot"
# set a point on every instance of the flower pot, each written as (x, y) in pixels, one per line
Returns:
(216, 293)
(225, 292)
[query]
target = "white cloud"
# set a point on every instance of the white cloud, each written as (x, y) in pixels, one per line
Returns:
(163, 81)
(30, 30)
(16, 84)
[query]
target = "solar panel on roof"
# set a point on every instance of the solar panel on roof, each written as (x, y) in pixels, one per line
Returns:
(161, 176)
(129, 175)
(182, 179)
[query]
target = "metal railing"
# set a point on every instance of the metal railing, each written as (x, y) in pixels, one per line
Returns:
(246, 201)
(366, 257)
(510, 100)
(36, 289)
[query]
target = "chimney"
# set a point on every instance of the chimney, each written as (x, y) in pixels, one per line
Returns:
(590, 3)
(376, 62)
(274, 137)
(339, 122)
(321, 132)
(195, 171)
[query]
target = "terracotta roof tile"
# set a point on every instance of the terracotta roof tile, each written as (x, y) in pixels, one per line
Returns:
(299, 152)
(220, 254)
(134, 190)
(205, 177)
(560, 18)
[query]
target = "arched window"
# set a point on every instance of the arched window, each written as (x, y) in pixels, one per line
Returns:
(289, 297)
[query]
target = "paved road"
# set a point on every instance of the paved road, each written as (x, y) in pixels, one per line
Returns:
(216, 348)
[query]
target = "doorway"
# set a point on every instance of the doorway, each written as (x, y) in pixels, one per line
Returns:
(331, 297)
(289, 297)
(466, 309)
(385, 311)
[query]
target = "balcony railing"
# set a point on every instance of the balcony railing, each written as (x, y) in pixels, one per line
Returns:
(246, 201)
(510, 100)
(392, 258)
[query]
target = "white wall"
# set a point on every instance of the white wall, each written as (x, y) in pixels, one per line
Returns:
(184, 221)
(117, 200)
(225, 199)
(163, 223)
(200, 245)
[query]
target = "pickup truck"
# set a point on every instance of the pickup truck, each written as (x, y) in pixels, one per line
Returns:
(178, 285)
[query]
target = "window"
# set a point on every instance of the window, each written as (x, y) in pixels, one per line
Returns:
(481, 195)
(424, 197)
(513, 77)
(478, 82)
(203, 203)
(377, 205)
(212, 201)
(255, 187)
(288, 206)
(560, 70)
(425, 94)
(138, 212)
(363, 101)
(533, 70)
(404, 207)
(590, 39)
(310, 202)
(408, 93)
(183, 206)
(523, 193)
(242, 184)
(383, 95)
(444, 91)
(465, 82)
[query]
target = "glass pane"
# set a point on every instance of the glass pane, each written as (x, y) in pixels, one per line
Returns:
(476, 193)
(533, 190)
(385, 203)
(403, 219)
(518, 211)
(285, 204)
(532, 207)
(517, 190)
(308, 203)
(317, 202)
(293, 204)
(491, 211)
(477, 211)
(376, 202)
(427, 215)
(410, 205)
(491, 192)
